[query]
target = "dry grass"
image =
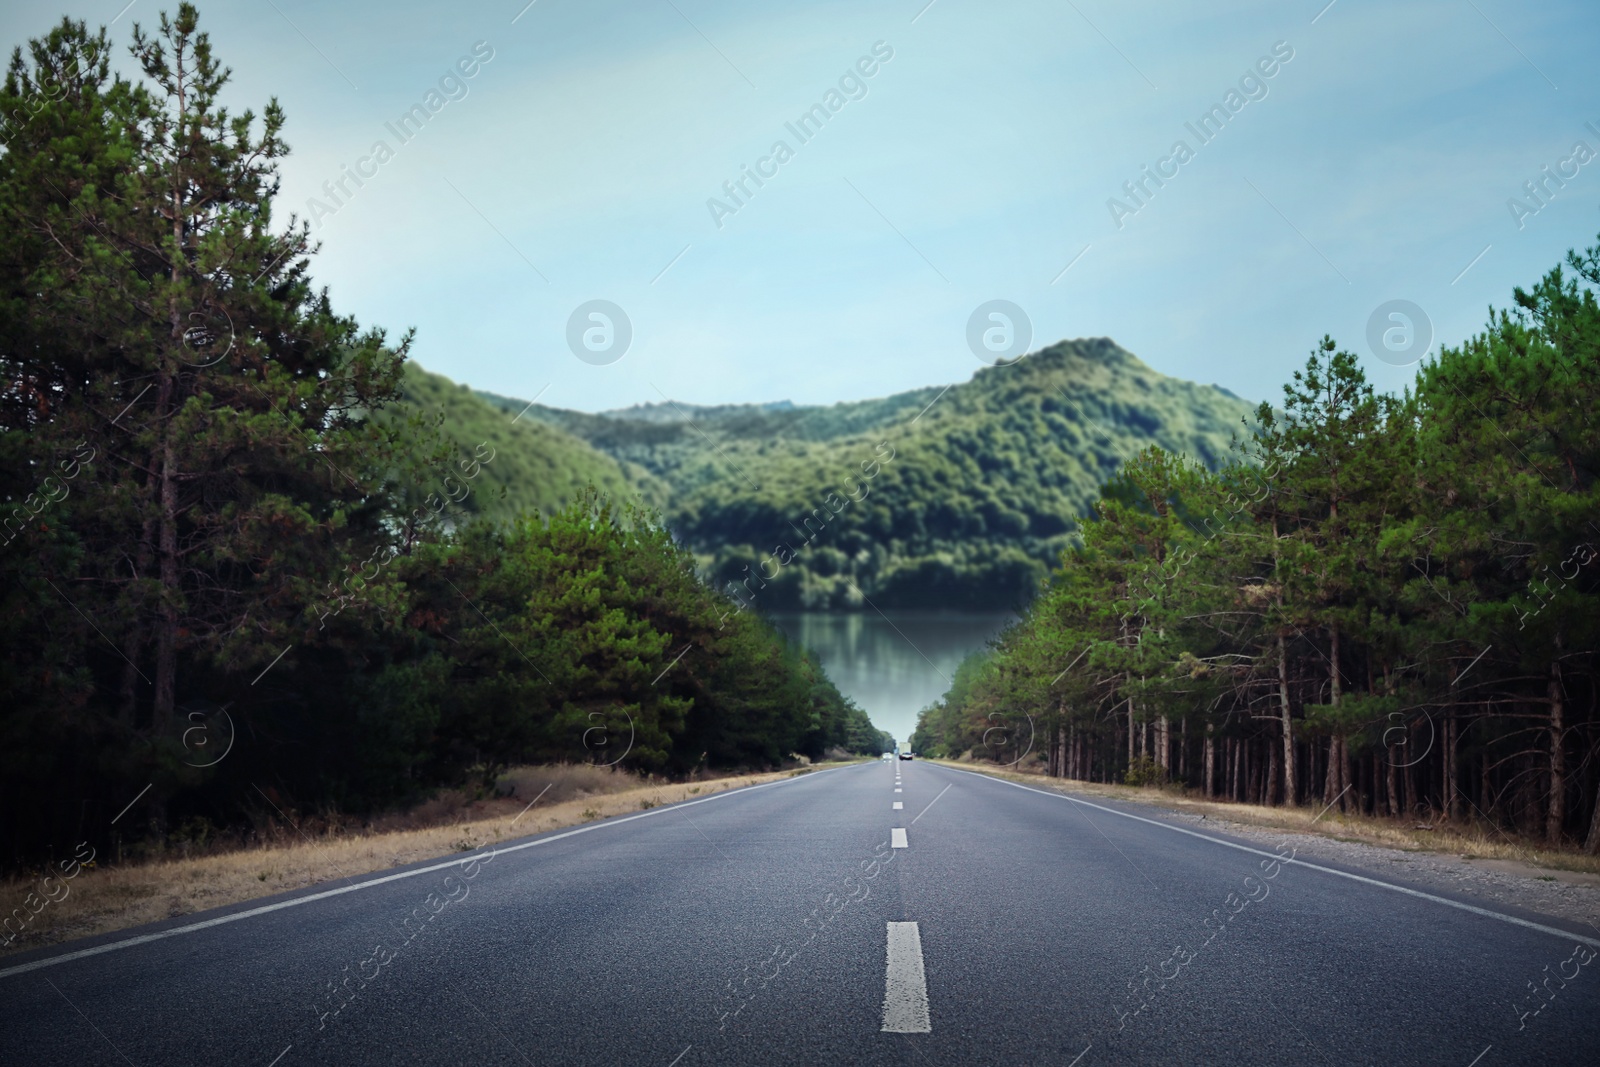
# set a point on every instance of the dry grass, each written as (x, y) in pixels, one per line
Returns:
(104, 899)
(1473, 840)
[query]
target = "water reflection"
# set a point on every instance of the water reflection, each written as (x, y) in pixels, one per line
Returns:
(893, 664)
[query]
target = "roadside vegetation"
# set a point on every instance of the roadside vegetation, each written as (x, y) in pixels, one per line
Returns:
(242, 574)
(939, 498)
(1385, 604)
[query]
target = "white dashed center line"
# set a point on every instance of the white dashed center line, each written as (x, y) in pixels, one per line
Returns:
(899, 804)
(905, 989)
(897, 789)
(897, 838)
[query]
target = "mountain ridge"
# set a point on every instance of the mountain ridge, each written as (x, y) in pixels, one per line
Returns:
(981, 494)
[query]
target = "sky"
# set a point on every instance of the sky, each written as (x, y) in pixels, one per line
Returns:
(984, 158)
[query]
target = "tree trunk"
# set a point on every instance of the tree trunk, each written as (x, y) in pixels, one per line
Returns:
(167, 463)
(1211, 764)
(1452, 804)
(1483, 781)
(1183, 749)
(1392, 784)
(1133, 738)
(1344, 783)
(1556, 815)
(1290, 795)
(1369, 793)
(1270, 794)
(1334, 790)
(1410, 775)
(1591, 844)
(166, 566)
(1329, 774)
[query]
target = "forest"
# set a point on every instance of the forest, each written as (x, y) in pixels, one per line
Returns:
(240, 570)
(988, 478)
(1384, 603)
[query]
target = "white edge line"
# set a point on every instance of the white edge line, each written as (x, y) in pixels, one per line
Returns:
(1300, 863)
(221, 920)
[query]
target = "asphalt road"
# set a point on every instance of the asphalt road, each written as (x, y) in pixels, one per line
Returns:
(782, 924)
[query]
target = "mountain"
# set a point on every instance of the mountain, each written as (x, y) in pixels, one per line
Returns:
(535, 464)
(941, 497)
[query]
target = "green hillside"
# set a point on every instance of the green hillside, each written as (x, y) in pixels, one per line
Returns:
(966, 503)
(534, 465)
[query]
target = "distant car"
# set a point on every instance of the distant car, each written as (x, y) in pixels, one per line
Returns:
(888, 755)
(905, 755)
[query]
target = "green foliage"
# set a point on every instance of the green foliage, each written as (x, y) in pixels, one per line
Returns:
(964, 503)
(1144, 771)
(1390, 601)
(236, 522)
(536, 466)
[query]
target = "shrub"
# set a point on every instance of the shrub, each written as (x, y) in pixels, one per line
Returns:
(1144, 771)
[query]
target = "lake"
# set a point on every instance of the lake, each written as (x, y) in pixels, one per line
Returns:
(892, 664)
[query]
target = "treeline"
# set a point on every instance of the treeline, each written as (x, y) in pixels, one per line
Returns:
(239, 577)
(1385, 603)
(986, 480)
(981, 496)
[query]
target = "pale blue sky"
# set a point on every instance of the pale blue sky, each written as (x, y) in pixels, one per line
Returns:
(977, 166)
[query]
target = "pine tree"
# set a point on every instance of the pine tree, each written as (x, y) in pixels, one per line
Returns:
(156, 322)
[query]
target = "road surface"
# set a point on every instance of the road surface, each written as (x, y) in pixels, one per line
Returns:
(837, 917)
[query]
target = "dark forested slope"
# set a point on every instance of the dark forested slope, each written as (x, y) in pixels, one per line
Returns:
(536, 466)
